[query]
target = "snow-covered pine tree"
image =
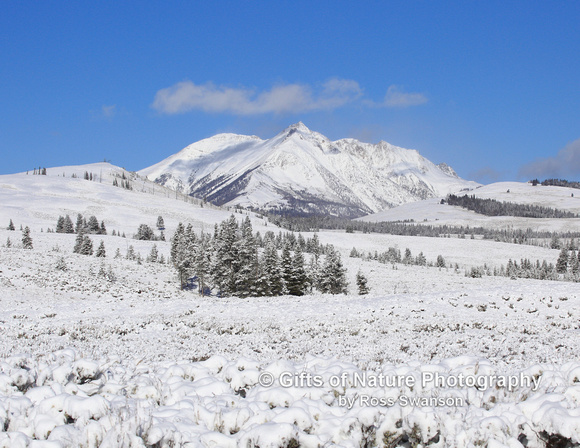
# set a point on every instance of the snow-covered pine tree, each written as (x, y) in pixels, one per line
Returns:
(118, 253)
(361, 282)
(60, 225)
(131, 255)
(286, 263)
(68, 226)
(183, 259)
(298, 285)
(79, 242)
(175, 240)
(93, 224)
(313, 273)
(440, 261)
(202, 262)
(224, 256)
(26, 238)
(145, 233)
(562, 262)
(246, 263)
(103, 229)
(333, 274)
(87, 246)
(421, 260)
(80, 224)
(11, 226)
(271, 283)
(573, 264)
(408, 258)
(101, 253)
(8, 242)
(153, 255)
(160, 223)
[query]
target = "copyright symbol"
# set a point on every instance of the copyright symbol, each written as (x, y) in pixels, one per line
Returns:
(266, 379)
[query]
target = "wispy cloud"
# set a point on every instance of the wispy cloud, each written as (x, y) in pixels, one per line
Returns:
(564, 164)
(395, 97)
(109, 111)
(285, 98)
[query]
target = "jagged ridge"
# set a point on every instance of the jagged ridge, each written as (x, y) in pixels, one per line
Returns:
(302, 171)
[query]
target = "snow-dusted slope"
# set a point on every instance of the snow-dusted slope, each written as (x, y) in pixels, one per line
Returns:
(38, 201)
(304, 171)
(433, 212)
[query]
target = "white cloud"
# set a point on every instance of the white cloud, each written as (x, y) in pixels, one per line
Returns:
(286, 98)
(564, 164)
(397, 98)
(109, 111)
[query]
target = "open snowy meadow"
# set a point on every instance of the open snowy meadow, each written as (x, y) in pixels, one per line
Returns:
(110, 352)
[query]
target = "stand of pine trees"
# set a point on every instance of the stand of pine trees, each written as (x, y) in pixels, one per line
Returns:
(410, 228)
(235, 261)
(491, 207)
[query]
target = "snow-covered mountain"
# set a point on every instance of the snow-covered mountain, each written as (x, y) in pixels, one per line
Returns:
(304, 172)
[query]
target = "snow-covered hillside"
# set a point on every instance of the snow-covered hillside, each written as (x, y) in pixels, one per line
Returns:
(303, 171)
(38, 201)
(109, 352)
(433, 212)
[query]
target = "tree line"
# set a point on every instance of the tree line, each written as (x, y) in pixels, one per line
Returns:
(411, 228)
(491, 207)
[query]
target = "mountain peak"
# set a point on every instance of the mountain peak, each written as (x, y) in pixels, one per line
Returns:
(299, 127)
(302, 171)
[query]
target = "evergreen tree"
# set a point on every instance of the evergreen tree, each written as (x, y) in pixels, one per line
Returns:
(440, 261)
(555, 242)
(60, 225)
(78, 242)
(176, 239)
(160, 223)
(11, 226)
(271, 283)
(87, 246)
(573, 263)
(153, 255)
(145, 233)
(333, 274)
(26, 238)
(246, 264)
(130, 253)
(101, 250)
(408, 258)
(93, 224)
(361, 282)
(562, 262)
(286, 263)
(8, 242)
(183, 260)
(80, 225)
(103, 229)
(421, 260)
(223, 262)
(298, 284)
(68, 226)
(202, 263)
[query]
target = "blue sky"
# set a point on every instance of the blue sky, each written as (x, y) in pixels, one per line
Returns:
(491, 88)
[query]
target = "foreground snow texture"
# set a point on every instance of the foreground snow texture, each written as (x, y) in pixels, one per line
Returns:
(77, 402)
